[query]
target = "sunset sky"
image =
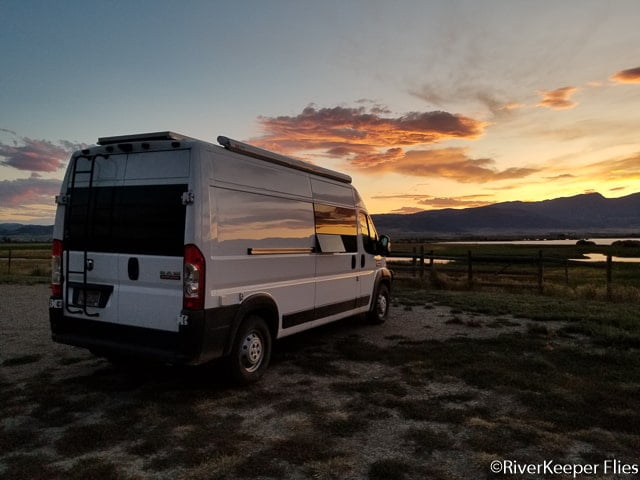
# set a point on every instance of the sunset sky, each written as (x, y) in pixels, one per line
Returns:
(426, 104)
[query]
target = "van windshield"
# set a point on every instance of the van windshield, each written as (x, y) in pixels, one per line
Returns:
(143, 220)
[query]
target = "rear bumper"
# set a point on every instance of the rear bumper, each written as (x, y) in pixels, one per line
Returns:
(203, 337)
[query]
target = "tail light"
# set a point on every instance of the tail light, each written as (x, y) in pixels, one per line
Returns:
(194, 278)
(56, 267)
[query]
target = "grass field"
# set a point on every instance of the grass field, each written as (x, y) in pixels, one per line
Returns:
(25, 263)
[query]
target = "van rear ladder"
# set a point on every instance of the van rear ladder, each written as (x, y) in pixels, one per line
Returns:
(84, 234)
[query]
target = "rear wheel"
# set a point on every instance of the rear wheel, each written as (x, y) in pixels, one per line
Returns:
(251, 351)
(380, 307)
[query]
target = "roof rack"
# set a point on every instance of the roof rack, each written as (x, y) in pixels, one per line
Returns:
(143, 137)
(246, 149)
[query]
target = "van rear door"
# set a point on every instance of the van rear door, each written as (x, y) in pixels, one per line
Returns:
(124, 238)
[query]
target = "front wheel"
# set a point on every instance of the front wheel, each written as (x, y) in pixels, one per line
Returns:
(380, 307)
(251, 350)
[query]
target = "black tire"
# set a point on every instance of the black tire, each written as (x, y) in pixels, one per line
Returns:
(251, 351)
(380, 305)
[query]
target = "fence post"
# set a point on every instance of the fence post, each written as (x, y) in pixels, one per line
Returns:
(413, 262)
(421, 261)
(540, 272)
(9, 264)
(609, 275)
(431, 262)
(469, 270)
(566, 272)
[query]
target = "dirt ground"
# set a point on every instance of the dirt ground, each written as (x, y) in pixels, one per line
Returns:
(347, 401)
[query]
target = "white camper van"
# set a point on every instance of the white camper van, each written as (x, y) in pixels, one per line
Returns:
(171, 248)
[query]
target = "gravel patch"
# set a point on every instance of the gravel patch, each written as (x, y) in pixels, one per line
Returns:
(337, 402)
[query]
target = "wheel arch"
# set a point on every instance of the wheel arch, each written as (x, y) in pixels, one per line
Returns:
(261, 304)
(383, 276)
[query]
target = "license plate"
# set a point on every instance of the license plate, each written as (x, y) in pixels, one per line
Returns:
(55, 303)
(92, 296)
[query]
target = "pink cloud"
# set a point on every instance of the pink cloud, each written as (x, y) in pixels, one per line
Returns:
(35, 155)
(28, 191)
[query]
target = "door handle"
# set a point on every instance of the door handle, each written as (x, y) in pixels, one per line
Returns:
(133, 268)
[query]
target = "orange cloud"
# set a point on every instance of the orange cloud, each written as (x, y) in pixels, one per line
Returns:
(455, 202)
(407, 210)
(451, 163)
(631, 75)
(512, 106)
(465, 201)
(372, 142)
(558, 99)
(615, 169)
(341, 131)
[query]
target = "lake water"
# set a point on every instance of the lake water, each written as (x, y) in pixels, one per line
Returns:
(591, 257)
(599, 257)
(597, 241)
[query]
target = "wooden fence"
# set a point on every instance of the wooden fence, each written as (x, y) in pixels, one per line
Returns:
(29, 262)
(418, 262)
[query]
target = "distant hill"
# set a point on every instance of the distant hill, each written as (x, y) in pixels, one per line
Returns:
(582, 215)
(587, 214)
(17, 232)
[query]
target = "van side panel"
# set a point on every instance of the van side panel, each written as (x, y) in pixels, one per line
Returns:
(261, 243)
(284, 233)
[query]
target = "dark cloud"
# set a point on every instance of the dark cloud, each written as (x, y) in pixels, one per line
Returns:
(442, 96)
(35, 155)
(631, 75)
(558, 99)
(375, 107)
(564, 176)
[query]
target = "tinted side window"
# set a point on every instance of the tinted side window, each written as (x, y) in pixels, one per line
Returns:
(254, 221)
(144, 220)
(340, 224)
(369, 235)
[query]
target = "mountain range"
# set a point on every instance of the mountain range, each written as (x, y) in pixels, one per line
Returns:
(582, 215)
(17, 232)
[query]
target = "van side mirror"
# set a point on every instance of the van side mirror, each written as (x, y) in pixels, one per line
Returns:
(384, 245)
